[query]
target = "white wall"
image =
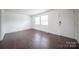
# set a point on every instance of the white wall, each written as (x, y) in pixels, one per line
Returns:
(67, 27)
(3, 24)
(77, 24)
(76, 15)
(17, 22)
(0, 24)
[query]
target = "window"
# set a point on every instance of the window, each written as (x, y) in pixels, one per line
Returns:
(37, 20)
(44, 20)
(41, 20)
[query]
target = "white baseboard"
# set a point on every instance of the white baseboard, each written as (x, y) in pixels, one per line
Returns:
(18, 30)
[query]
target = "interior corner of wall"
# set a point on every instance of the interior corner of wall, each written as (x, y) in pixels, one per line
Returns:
(1, 38)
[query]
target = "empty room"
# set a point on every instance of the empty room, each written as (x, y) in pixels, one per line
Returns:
(39, 29)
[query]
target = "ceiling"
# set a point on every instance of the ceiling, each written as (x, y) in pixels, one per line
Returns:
(27, 11)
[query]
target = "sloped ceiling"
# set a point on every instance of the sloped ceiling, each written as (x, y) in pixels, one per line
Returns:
(27, 11)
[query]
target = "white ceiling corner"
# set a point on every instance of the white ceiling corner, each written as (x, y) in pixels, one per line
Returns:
(27, 11)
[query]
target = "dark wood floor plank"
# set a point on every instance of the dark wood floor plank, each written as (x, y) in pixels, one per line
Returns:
(35, 39)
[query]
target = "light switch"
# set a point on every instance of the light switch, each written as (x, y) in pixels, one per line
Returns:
(60, 22)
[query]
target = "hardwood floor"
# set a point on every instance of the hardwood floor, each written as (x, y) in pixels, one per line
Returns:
(34, 39)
